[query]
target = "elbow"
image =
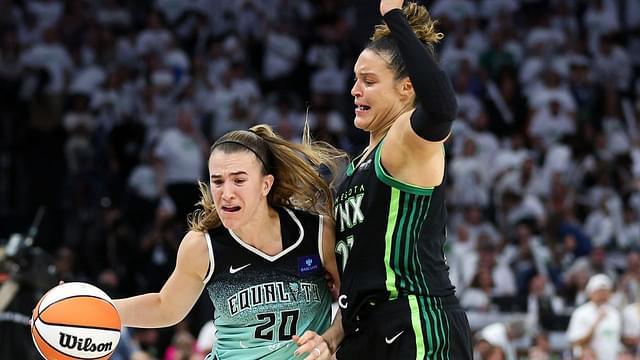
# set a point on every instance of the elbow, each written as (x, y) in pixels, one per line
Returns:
(446, 112)
(445, 116)
(442, 112)
(436, 129)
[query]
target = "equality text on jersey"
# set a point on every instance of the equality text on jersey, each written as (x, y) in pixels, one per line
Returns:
(273, 292)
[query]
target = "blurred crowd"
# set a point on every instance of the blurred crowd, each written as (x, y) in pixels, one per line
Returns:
(108, 109)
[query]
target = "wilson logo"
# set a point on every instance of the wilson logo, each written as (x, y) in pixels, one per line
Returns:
(74, 342)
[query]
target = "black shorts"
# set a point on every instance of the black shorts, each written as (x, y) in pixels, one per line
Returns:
(410, 328)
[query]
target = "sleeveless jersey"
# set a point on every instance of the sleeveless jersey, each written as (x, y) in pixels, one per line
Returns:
(259, 300)
(389, 238)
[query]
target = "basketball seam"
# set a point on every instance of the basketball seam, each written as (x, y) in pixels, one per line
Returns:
(79, 326)
(77, 296)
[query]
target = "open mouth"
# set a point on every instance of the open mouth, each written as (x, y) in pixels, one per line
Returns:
(362, 107)
(230, 208)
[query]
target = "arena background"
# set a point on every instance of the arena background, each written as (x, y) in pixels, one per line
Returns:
(543, 164)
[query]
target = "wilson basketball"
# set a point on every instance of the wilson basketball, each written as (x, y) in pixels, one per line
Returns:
(75, 321)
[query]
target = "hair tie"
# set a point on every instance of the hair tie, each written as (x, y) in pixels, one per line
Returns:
(246, 146)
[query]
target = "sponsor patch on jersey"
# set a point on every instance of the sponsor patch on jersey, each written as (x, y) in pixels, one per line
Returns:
(309, 265)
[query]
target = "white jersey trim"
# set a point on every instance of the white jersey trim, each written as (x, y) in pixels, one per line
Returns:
(280, 254)
(211, 259)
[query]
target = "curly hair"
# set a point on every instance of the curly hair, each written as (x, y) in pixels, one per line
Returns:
(423, 26)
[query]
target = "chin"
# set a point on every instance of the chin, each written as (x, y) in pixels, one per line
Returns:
(230, 221)
(360, 123)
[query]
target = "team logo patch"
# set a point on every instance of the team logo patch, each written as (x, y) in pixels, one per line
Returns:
(308, 265)
(364, 165)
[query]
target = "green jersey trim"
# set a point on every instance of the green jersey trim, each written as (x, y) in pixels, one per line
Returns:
(382, 175)
(388, 243)
(352, 164)
(351, 168)
(416, 323)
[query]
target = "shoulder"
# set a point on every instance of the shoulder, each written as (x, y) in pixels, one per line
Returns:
(408, 157)
(584, 311)
(194, 241)
(193, 253)
(612, 309)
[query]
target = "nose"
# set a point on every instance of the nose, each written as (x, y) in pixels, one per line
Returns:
(227, 191)
(356, 90)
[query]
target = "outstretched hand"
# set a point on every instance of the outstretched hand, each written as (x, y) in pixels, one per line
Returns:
(388, 5)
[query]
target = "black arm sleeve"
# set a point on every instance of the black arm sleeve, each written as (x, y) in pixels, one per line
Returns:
(436, 101)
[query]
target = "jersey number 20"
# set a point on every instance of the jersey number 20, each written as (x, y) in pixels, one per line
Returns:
(287, 328)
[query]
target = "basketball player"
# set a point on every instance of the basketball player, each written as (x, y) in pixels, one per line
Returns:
(260, 257)
(396, 299)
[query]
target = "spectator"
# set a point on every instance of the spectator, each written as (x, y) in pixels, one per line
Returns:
(631, 327)
(183, 345)
(477, 297)
(502, 335)
(596, 325)
(541, 350)
(206, 340)
(180, 163)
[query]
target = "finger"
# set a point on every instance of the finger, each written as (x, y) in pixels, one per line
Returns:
(308, 336)
(308, 347)
(306, 342)
(300, 340)
(319, 352)
(316, 347)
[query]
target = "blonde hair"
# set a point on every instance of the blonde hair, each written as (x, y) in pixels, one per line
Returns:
(423, 26)
(295, 167)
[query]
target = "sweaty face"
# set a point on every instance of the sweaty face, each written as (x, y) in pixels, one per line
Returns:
(238, 186)
(376, 92)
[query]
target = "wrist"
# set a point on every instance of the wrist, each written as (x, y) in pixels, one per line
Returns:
(331, 342)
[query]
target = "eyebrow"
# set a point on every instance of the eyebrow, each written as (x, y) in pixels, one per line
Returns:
(235, 173)
(365, 73)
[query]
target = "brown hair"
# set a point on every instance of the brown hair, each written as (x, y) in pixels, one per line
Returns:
(423, 26)
(295, 167)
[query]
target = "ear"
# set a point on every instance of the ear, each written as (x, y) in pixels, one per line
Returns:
(267, 184)
(405, 88)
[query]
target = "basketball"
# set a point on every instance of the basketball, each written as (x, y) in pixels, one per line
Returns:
(75, 321)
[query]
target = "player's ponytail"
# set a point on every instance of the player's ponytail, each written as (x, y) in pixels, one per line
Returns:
(298, 170)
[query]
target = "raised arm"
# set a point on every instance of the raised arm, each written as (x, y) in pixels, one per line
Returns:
(179, 293)
(435, 99)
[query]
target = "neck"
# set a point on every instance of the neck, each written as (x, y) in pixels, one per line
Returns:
(262, 228)
(376, 135)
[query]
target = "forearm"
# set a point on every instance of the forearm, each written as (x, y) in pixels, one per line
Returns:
(335, 333)
(436, 100)
(586, 339)
(145, 311)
